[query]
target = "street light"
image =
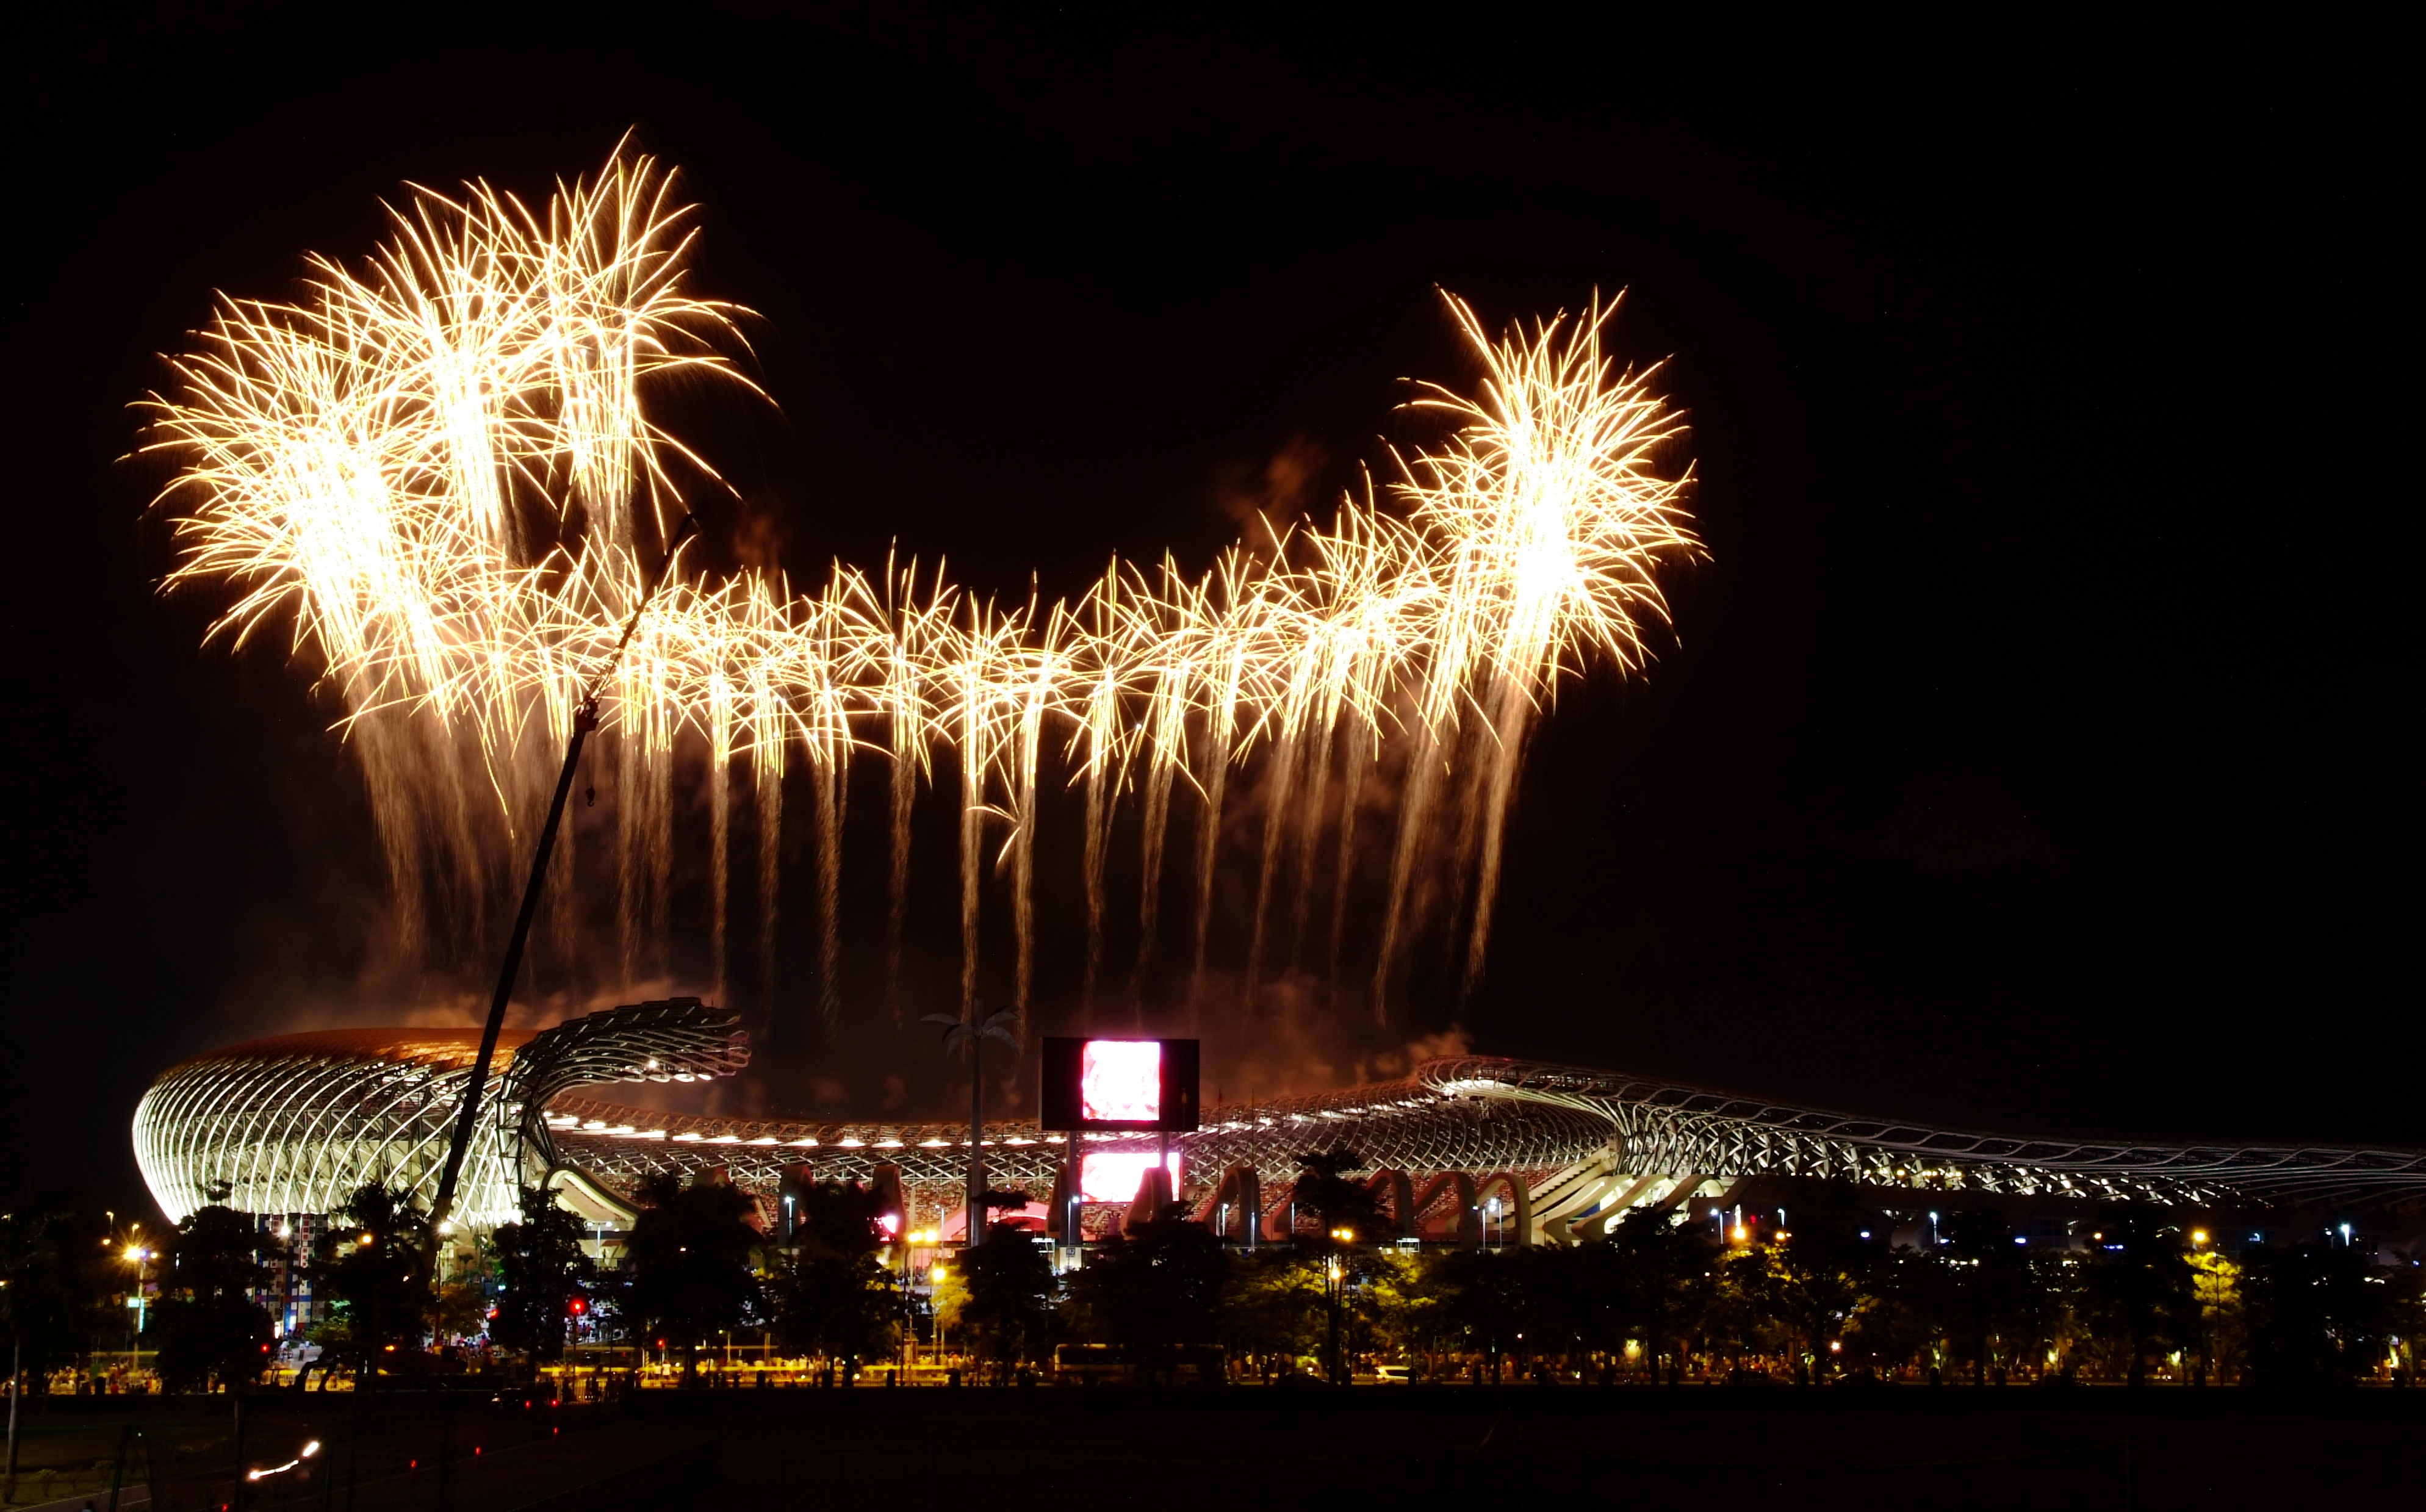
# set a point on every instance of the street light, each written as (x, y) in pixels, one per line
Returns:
(139, 1256)
(1333, 1274)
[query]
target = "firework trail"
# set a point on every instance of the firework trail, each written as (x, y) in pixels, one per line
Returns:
(435, 471)
(906, 716)
(1099, 728)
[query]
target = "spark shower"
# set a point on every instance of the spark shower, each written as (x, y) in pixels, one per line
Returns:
(437, 473)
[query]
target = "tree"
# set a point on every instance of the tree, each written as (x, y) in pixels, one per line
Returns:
(370, 1262)
(1008, 1314)
(1325, 1189)
(2137, 1293)
(1479, 1302)
(1156, 1290)
(207, 1329)
(2215, 1281)
(461, 1309)
(1904, 1304)
(542, 1271)
(43, 1300)
(688, 1258)
(1989, 1273)
(1741, 1319)
(833, 1297)
(2321, 1313)
(1664, 1271)
(1349, 1215)
(1273, 1303)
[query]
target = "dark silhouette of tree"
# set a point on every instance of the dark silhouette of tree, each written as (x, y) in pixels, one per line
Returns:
(207, 1329)
(1988, 1273)
(1811, 1285)
(1479, 1302)
(832, 1297)
(2321, 1313)
(1565, 1301)
(370, 1263)
(1905, 1300)
(542, 1271)
(46, 1298)
(1349, 1219)
(689, 1261)
(1325, 1189)
(1665, 1271)
(2137, 1292)
(1009, 1315)
(998, 1201)
(1741, 1319)
(1155, 1290)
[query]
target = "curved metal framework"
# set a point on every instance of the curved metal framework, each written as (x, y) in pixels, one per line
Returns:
(1677, 1126)
(299, 1123)
(293, 1124)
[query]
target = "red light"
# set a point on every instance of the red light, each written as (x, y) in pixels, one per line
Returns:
(579, 1307)
(476, 1451)
(1119, 1080)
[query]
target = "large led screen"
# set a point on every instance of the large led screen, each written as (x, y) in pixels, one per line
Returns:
(1114, 1176)
(1120, 1081)
(1119, 1084)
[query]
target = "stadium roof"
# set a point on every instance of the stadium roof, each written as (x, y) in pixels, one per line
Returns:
(295, 1123)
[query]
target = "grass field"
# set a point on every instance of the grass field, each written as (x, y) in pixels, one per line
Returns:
(1236, 1447)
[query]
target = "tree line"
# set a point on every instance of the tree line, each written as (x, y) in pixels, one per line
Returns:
(1831, 1300)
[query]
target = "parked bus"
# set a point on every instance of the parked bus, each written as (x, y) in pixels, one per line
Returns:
(1110, 1364)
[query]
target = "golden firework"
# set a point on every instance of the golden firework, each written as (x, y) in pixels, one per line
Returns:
(437, 471)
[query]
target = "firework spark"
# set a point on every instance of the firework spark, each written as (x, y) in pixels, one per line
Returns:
(437, 472)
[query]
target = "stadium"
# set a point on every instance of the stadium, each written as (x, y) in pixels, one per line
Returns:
(1466, 1150)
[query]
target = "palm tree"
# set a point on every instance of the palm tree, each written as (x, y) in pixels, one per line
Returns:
(974, 1032)
(372, 1260)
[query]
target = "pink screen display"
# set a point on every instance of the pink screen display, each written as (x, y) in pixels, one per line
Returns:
(1119, 1080)
(1114, 1176)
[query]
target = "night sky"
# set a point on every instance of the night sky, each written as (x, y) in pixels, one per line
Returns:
(2028, 754)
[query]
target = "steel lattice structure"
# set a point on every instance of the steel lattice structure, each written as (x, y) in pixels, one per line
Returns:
(296, 1124)
(299, 1123)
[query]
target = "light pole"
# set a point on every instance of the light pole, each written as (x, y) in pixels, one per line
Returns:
(585, 720)
(134, 1345)
(1335, 1283)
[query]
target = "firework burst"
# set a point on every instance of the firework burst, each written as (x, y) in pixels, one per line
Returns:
(436, 471)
